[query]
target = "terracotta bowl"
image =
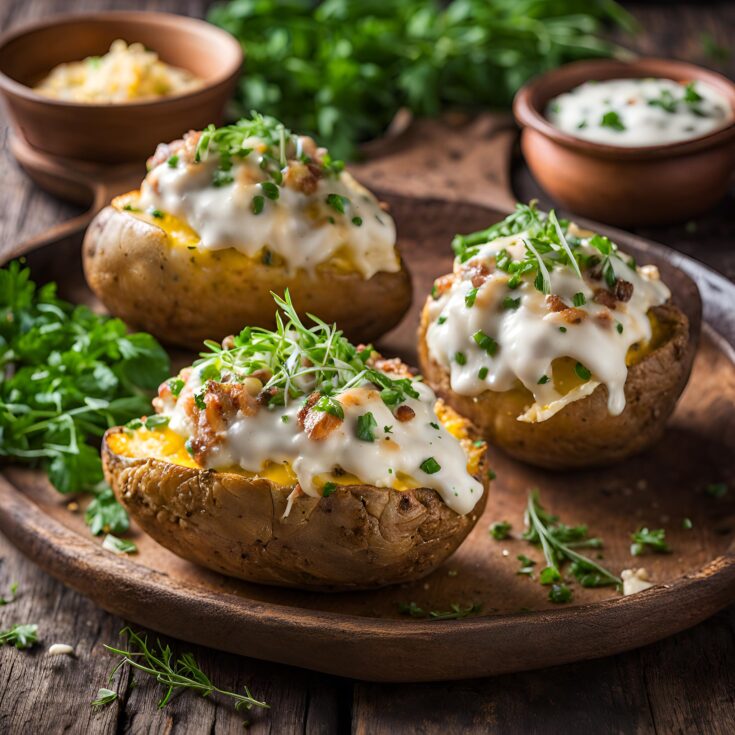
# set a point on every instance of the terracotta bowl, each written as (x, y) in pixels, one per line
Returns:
(656, 184)
(112, 133)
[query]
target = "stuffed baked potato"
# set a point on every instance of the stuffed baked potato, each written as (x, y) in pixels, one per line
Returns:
(293, 458)
(559, 349)
(225, 217)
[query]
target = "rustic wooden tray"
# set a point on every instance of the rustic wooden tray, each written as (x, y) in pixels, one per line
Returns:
(363, 635)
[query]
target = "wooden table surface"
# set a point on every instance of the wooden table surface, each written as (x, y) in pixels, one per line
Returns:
(685, 684)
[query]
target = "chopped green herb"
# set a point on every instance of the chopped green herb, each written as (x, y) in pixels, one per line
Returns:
(543, 380)
(328, 489)
(157, 213)
(104, 697)
(527, 564)
(388, 429)
(510, 303)
(441, 319)
(430, 466)
(331, 406)
(267, 257)
(20, 636)
(471, 297)
(579, 299)
(485, 342)
(562, 329)
(612, 120)
(500, 530)
(482, 372)
(12, 596)
(582, 371)
(459, 358)
(119, 545)
(366, 426)
(156, 421)
(258, 204)
(491, 475)
(687, 524)
(173, 161)
(337, 202)
(434, 425)
(619, 327)
(357, 221)
(176, 385)
(716, 489)
(270, 190)
(560, 593)
(651, 540)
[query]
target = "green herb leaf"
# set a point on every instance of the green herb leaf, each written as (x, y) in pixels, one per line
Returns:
(612, 120)
(582, 371)
(20, 636)
(485, 342)
(430, 466)
(104, 697)
(329, 489)
(500, 530)
(651, 540)
(366, 426)
(560, 593)
(716, 489)
(119, 545)
(257, 204)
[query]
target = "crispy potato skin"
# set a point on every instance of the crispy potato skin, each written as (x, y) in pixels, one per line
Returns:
(183, 298)
(360, 537)
(583, 433)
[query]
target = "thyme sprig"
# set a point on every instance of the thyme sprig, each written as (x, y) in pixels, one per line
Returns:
(301, 360)
(171, 673)
(456, 611)
(559, 543)
(548, 245)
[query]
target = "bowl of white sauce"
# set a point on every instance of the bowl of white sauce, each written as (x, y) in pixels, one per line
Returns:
(650, 141)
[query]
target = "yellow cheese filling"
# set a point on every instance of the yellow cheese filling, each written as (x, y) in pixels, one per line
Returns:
(168, 446)
(181, 235)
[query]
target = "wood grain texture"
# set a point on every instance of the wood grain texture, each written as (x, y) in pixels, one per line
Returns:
(683, 684)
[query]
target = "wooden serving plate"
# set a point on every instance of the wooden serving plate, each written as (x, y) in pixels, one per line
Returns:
(363, 635)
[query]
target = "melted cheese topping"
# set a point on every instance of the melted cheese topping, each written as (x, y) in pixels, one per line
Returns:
(537, 350)
(271, 444)
(302, 230)
(639, 112)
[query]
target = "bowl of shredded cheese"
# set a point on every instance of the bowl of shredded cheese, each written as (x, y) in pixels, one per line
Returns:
(108, 87)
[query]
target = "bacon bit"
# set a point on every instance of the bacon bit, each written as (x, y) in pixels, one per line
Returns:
(263, 375)
(384, 206)
(404, 413)
(623, 290)
(604, 297)
(443, 284)
(317, 425)
(555, 302)
(265, 396)
(475, 272)
(572, 315)
(228, 342)
(392, 366)
(223, 401)
(184, 147)
(303, 177)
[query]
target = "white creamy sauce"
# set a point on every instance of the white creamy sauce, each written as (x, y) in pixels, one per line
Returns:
(274, 435)
(639, 112)
(301, 228)
(530, 337)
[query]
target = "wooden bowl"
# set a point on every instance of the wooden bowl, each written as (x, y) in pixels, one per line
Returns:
(113, 133)
(656, 184)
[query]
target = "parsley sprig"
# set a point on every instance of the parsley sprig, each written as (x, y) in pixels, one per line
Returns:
(559, 543)
(21, 636)
(343, 69)
(173, 674)
(300, 360)
(66, 375)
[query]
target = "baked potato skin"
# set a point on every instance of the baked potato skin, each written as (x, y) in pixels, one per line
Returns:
(583, 433)
(185, 296)
(360, 537)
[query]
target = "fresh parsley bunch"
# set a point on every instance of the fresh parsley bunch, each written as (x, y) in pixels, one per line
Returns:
(341, 69)
(66, 375)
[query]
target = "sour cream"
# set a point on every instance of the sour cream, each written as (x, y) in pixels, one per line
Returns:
(639, 112)
(301, 228)
(529, 336)
(419, 452)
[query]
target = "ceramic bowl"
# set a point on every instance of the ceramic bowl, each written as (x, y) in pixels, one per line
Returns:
(656, 184)
(113, 133)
